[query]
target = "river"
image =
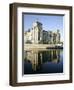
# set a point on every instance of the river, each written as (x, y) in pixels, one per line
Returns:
(43, 61)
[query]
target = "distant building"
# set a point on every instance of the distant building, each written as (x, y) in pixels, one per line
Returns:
(37, 32)
(45, 37)
(36, 35)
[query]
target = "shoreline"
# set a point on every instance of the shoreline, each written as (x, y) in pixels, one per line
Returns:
(41, 46)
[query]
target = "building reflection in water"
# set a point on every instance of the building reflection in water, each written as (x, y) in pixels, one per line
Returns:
(36, 57)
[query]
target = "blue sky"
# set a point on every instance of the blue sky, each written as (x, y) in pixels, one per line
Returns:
(50, 22)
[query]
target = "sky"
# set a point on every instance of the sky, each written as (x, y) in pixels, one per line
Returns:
(50, 22)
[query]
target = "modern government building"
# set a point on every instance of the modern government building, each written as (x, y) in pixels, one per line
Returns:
(36, 35)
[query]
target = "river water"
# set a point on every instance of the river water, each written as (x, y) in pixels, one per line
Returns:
(43, 61)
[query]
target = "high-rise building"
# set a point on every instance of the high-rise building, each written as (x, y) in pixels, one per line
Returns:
(36, 35)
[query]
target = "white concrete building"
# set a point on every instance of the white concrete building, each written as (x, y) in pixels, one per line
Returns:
(36, 35)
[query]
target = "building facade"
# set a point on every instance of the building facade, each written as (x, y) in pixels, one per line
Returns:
(36, 35)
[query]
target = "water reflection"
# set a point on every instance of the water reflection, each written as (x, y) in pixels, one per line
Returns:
(43, 61)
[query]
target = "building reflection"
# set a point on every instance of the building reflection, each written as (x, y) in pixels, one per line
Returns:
(37, 57)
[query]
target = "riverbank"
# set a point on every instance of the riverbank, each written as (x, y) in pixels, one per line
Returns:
(42, 46)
